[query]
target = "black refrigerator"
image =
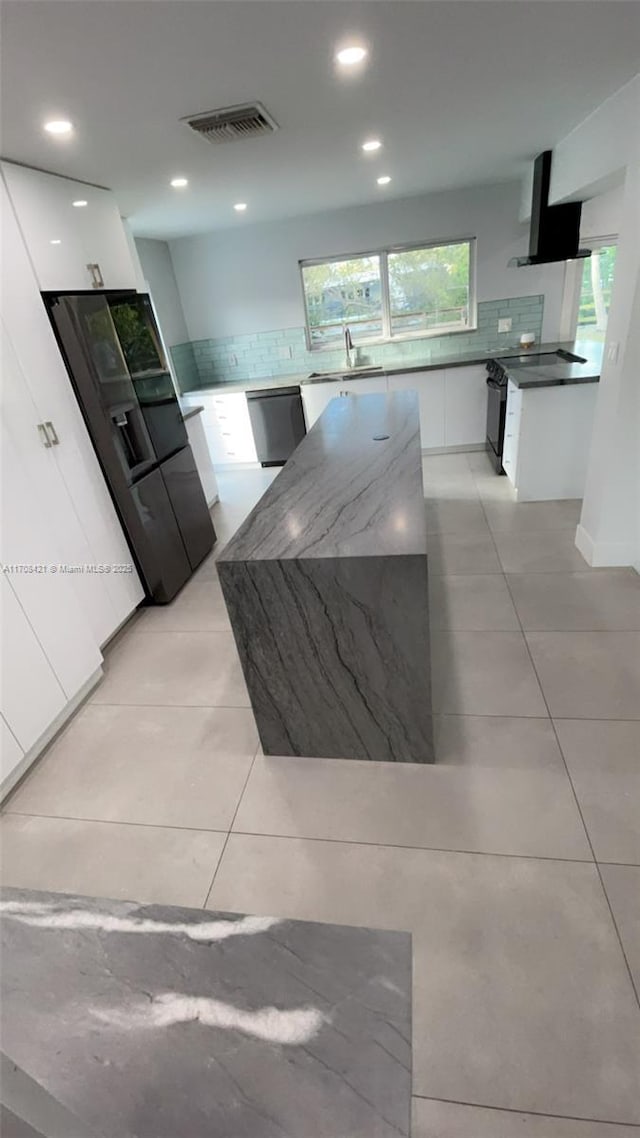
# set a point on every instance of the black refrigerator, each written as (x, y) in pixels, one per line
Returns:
(116, 363)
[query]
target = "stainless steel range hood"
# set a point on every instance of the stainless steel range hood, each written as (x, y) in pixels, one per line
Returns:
(555, 229)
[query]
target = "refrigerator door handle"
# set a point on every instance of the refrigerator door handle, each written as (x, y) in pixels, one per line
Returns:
(44, 435)
(51, 433)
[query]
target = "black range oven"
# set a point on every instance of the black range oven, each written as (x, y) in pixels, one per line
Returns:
(496, 412)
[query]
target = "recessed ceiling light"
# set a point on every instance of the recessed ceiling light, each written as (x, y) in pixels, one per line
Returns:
(371, 144)
(384, 180)
(355, 53)
(179, 183)
(56, 241)
(240, 206)
(58, 126)
(80, 203)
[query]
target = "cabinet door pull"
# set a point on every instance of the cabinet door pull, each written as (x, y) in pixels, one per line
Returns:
(42, 431)
(51, 432)
(95, 274)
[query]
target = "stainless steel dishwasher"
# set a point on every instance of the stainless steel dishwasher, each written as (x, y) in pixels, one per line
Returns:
(277, 421)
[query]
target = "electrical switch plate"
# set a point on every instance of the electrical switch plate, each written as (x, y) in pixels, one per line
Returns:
(612, 352)
(285, 353)
(505, 324)
(233, 360)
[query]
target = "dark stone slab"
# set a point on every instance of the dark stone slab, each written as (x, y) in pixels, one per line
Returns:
(499, 350)
(326, 587)
(163, 1022)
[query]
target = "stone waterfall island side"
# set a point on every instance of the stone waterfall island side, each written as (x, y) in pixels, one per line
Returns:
(326, 587)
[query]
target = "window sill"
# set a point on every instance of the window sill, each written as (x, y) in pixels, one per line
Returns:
(409, 337)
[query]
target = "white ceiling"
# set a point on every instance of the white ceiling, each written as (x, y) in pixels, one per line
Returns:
(461, 93)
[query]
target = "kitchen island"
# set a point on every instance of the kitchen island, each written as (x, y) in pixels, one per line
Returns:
(163, 1022)
(326, 587)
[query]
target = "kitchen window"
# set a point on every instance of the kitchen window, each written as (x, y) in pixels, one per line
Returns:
(400, 293)
(587, 292)
(596, 283)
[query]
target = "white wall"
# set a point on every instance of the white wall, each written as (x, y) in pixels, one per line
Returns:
(592, 156)
(158, 273)
(247, 280)
(601, 216)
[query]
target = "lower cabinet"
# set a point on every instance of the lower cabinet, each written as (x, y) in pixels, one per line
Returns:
(32, 696)
(465, 405)
(226, 425)
(548, 439)
(317, 396)
(430, 386)
(202, 456)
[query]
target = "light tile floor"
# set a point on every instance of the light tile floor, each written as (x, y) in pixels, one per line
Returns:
(514, 861)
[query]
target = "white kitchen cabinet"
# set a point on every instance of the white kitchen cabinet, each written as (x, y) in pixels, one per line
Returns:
(547, 440)
(48, 597)
(231, 413)
(226, 425)
(430, 386)
(71, 487)
(465, 405)
(317, 396)
(62, 239)
(32, 696)
(202, 457)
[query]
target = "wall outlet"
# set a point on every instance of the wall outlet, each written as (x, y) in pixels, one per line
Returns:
(285, 353)
(233, 360)
(504, 325)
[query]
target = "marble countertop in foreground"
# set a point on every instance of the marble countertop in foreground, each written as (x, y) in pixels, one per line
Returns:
(154, 1021)
(352, 488)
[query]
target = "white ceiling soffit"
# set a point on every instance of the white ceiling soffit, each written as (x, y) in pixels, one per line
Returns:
(460, 93)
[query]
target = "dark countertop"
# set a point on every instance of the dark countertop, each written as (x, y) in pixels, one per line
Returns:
(154, 1020)
(562, 373)
(455, 359)
(343, 493)
(189, 412)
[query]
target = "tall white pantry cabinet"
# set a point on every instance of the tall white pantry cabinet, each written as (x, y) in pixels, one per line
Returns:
(56, 508)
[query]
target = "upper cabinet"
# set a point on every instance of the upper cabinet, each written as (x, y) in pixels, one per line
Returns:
(72, 247)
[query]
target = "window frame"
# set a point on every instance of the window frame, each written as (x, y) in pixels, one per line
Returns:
(388, 337)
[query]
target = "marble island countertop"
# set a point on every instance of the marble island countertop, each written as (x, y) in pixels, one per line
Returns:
(154, 1021)
(353, 487)
(593, 353)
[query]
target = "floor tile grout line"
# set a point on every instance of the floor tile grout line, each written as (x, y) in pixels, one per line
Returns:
(524, 1110)
(414, 849)
(116, 822)
(315, 838)
(573, 789)
(230, 830)
(247, 707)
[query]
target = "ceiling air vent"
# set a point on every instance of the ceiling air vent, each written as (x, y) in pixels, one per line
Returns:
(245, 121)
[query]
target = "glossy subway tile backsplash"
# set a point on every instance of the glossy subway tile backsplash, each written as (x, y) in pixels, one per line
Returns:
(258, 355)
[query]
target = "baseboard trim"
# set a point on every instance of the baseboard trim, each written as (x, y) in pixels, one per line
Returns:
(606, 553)
(454, 450)
(53, 730)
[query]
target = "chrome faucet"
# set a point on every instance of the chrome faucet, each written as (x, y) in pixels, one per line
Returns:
(348, 346)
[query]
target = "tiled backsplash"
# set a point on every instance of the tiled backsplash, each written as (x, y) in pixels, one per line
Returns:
(201, 363)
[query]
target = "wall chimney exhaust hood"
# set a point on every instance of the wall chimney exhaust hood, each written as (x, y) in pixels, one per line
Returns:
(555, 229)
